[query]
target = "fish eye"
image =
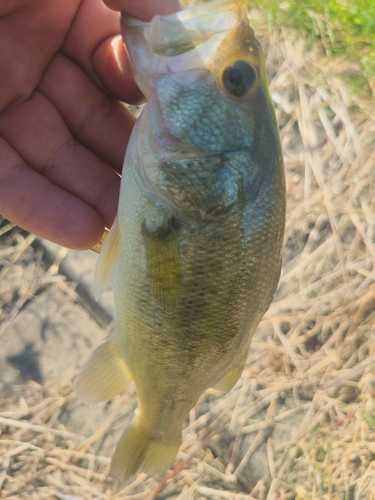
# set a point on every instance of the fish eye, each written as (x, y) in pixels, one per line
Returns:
(239, 78)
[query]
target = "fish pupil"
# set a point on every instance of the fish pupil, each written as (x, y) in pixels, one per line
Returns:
(239, 78)
(235, 77)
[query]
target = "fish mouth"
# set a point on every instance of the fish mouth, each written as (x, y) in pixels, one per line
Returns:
(188, 29)
(185, 41)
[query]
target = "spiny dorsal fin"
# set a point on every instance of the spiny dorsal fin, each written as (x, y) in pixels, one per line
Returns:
(105, 267)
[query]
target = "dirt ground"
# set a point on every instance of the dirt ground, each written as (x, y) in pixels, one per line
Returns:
(300, 423)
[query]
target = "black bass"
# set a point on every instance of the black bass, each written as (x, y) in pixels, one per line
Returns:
(195, 251)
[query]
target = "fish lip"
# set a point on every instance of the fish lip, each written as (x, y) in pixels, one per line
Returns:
(185, 14)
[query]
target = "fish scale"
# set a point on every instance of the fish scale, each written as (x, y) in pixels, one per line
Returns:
(195, 251)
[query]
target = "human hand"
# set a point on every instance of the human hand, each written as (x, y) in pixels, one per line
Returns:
(63, 133)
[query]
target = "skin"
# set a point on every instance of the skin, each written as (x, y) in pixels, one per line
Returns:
(63, 132)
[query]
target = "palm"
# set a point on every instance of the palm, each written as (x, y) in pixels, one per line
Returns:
(61, 125)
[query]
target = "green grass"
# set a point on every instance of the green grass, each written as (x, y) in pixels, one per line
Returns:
(343, 26)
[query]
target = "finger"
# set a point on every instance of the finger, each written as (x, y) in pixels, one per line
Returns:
(30, 33)
(146, 9)
(37, 205)
(37, 132)
(102, 124)
(89, 44)
(111, 62)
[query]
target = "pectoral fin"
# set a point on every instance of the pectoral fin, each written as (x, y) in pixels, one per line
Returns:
(103, 376)
(105, 267)
(228, 381)
(163, 265)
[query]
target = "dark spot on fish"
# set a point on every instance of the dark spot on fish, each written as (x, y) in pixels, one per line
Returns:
(162, 231)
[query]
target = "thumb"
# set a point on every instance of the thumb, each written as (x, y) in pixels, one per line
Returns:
(146, 9)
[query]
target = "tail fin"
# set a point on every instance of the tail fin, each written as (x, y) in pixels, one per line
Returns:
(137, 451)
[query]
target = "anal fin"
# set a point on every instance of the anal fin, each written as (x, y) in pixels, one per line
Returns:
(230, 378)
(103, 376)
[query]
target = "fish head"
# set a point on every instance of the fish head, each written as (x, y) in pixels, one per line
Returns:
(204, 71)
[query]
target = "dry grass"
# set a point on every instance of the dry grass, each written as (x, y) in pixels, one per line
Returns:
(315, 346)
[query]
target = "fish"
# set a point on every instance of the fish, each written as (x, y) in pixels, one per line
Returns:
(194, 254)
